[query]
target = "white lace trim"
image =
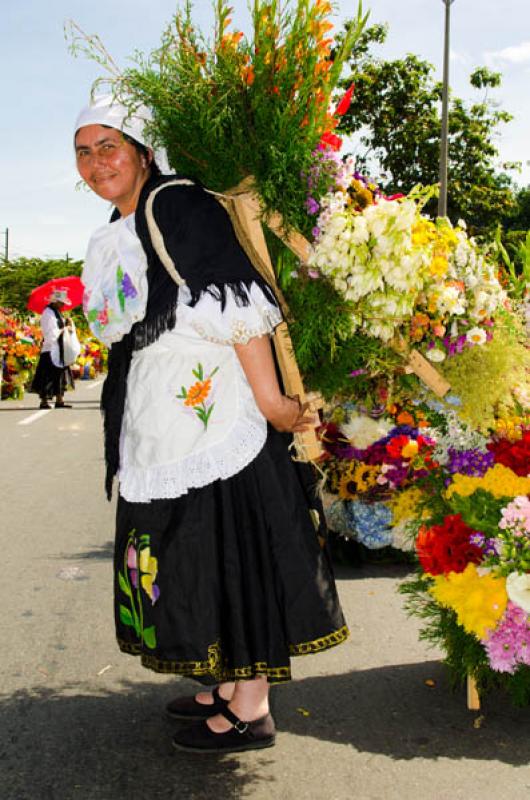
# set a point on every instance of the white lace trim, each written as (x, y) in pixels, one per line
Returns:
(235, 324)
(241, 332)
(219, 461)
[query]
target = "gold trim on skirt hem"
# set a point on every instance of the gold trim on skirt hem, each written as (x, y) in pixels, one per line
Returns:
(216, 667)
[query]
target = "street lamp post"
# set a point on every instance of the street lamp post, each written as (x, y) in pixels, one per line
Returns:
(442, 200)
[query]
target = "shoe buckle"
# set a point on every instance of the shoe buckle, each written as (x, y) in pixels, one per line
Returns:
(241, 727)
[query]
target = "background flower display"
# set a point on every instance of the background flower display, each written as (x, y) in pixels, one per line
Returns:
(20, 343)
(19, 353)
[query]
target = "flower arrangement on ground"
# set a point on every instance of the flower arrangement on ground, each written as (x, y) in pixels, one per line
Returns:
(473, 546)
(19, 353)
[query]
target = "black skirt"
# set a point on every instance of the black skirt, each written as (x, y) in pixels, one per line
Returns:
(49, 380)
(230, 580)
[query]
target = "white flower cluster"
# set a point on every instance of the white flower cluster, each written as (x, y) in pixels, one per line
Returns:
(458, 436)
(482, 293)
(371, 260)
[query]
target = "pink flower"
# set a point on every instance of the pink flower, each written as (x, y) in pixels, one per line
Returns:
(132, 564)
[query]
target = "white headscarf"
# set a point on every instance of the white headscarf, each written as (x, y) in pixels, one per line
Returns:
(106, 110)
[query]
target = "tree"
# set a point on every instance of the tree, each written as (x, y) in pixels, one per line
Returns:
(19, 277)
(396, 112)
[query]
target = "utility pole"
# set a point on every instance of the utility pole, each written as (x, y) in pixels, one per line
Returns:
(442, 200)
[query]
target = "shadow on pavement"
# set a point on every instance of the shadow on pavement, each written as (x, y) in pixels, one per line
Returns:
(84, 743)
(100, 552)
(391, 711)
(80, 741)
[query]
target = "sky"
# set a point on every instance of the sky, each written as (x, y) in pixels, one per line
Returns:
(43, 88)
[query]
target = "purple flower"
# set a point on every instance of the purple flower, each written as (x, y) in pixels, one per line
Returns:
(491, 547)
(129, 290)
(357, 372)
(509, 644)
(469, 462)
(312, 206)
(316, 232)
(477, 538)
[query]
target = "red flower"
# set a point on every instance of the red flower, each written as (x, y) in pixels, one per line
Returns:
(447, 548)
(345, 102)
(395, 446)
(515, 455)
(332, 140)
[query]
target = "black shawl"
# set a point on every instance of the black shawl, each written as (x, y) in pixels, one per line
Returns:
(199, 238)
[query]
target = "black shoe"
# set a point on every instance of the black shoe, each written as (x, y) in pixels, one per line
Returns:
(199, 738)
(62, 405)
(44, 404)
(189, 708)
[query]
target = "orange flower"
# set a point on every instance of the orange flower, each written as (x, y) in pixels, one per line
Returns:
(404, 418)
(198, 392)
(249, 75)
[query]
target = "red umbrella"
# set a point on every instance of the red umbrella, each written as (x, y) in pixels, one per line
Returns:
(71, 286)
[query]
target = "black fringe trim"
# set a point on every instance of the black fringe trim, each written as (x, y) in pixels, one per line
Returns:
(150, 329)
(240, 290)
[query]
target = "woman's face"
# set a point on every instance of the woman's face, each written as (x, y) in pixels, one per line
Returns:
(111, 166)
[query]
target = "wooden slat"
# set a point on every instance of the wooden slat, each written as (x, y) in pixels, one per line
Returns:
(246, 208)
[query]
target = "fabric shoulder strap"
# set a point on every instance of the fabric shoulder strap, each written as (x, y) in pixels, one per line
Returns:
(157, 239)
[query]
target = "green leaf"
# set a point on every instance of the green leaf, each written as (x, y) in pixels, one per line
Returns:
(124, 585)
(149, 637)
(126, 617)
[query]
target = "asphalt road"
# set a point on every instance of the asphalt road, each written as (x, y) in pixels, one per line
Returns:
(80, 721)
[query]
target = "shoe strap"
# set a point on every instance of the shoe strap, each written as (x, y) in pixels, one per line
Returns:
(217, 697)
(240, 727)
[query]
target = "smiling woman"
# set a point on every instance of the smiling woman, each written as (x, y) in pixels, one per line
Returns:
(221, 563)
(111, 165)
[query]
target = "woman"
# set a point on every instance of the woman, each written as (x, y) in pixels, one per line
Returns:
(50, 380)
(220, 565)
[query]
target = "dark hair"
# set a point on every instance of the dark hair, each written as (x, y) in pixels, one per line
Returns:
(142, 149)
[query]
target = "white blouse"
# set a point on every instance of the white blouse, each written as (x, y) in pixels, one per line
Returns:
(50, 330)
(190, 415)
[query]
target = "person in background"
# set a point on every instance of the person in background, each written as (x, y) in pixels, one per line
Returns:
(52, 381)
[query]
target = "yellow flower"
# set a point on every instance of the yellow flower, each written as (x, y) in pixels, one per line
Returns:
(404, 505)
(410, 449)
(148, 567)
(500, 481)
(479, 600)
(347, 487)
(438, 266)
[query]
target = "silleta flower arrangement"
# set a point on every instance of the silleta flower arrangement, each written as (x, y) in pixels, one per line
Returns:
(407, 277)
(19, 352)
(473, 546)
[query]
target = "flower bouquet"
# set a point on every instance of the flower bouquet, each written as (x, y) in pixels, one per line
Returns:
(472, 587)
(19, 349)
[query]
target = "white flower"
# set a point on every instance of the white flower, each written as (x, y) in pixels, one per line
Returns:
(436, 355)
(476, 336)
(362, 431)
(518, 589)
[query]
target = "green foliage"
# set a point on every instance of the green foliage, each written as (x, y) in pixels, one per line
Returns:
(517, 265)
(326, 349)
(479, 376)
(231, 107)
(19, 277)
(464, 653)
(396, 106)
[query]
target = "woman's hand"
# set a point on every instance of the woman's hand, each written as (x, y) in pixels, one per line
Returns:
(291, 416)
